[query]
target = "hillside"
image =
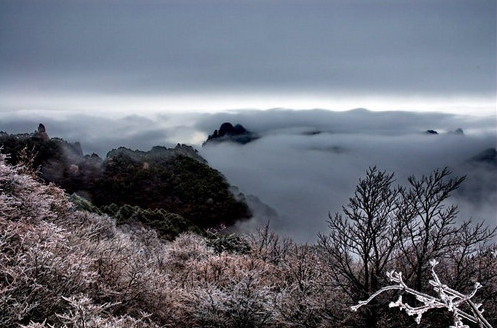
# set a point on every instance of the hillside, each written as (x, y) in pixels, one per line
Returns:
(63, 267)
(176, 180)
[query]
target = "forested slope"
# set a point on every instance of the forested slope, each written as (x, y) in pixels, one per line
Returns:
(176, 180)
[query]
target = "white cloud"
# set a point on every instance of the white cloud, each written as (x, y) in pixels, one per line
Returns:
(306, 163)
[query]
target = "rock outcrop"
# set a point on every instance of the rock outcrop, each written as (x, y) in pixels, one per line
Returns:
(228, 132)
(42, 132)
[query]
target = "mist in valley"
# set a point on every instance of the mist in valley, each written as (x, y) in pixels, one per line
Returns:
(305, 164)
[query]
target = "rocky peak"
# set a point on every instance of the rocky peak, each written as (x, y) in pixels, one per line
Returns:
(228, 132)
(42, 133)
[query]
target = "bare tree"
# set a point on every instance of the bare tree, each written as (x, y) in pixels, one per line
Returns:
(363, 240)
(430, 230)
(385, 227)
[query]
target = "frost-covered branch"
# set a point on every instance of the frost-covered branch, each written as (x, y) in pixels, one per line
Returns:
(447, 298)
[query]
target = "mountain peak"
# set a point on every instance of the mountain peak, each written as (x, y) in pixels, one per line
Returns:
(228, 132)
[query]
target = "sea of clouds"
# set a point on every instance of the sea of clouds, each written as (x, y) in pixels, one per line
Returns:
(305, 164)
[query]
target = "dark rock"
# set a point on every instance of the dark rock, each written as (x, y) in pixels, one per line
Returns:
(226, 129)
(431, 132)
(228, 132)
(42, 133)
(312, 133)
(238, 129)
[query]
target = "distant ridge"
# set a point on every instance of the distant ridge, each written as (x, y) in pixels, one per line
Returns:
(488, 156)
(157, 152)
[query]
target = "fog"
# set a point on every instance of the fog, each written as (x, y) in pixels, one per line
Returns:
(305, 164)
(101, 133)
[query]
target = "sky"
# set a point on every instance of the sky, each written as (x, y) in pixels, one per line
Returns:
(210, 56)
(332, 87)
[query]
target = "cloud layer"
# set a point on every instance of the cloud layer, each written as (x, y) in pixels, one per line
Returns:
(306, 163)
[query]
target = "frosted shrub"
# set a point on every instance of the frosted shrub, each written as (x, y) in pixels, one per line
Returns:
(188, 247)
(232, 290)
(446, 298)
(130, 275)
(88, 226)
(37, 269)
(303, 300)
(60, 267)
(241, 303)
(24, 198)
(84, 313)
(49, 252)
(267, 246)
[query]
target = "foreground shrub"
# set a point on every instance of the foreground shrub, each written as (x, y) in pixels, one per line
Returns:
(64, 267)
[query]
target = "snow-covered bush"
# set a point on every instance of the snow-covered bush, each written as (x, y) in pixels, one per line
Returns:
(63, 267)
(446, 298)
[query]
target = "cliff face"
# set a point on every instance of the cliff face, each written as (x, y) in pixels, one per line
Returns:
(177, 180)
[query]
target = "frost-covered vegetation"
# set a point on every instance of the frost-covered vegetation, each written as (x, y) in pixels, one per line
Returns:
(447, 298)
(63, 267)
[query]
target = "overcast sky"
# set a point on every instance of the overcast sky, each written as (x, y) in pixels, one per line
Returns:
(135, 56)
